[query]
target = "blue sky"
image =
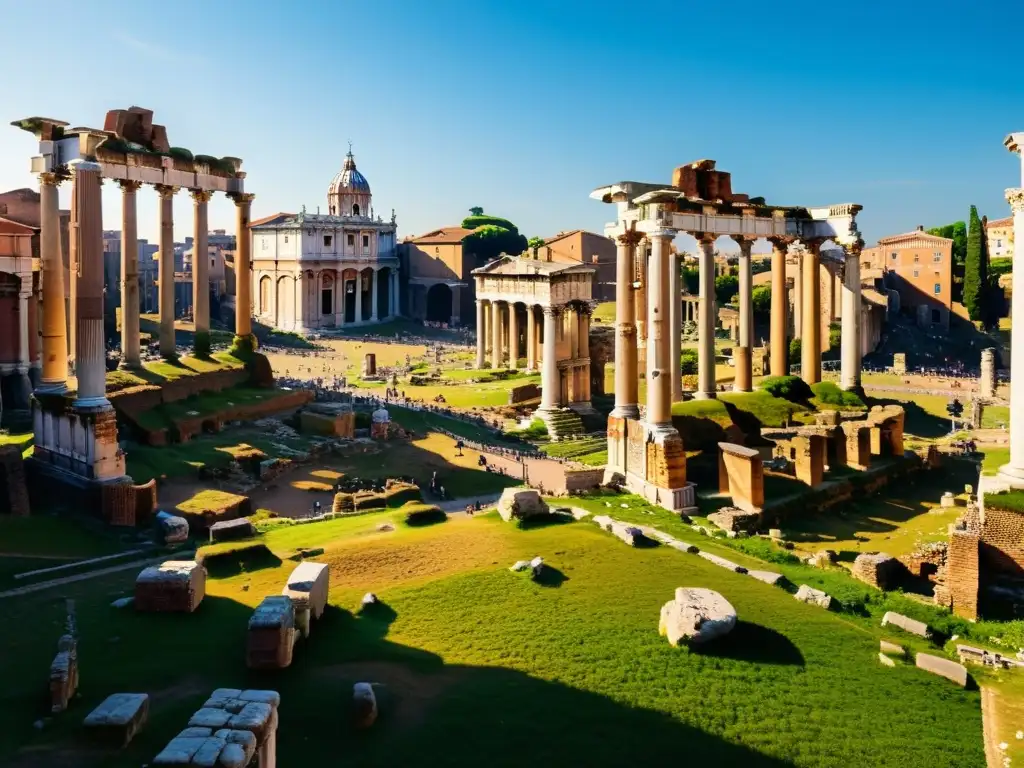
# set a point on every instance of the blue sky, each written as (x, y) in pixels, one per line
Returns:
(524, 107)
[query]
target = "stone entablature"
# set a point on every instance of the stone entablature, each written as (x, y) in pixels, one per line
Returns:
(533, 282)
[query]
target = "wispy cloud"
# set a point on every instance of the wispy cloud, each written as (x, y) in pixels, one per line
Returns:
(158, 52)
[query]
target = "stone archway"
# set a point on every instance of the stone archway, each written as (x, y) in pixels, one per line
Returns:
(384, 292)
(439, 303)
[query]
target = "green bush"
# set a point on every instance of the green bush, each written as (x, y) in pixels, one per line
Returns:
(829, 393)
(537, 430)
(423, 514)
(794, 352)
(791, 388)
(202, 344)
(688, 361)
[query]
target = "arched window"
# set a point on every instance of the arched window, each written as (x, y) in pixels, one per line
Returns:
(264, 295)
(355, 209)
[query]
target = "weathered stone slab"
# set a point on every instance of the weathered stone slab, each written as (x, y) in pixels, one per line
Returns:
(892, 648)
(946, 668)
(682, 546)
(696, 616)
(886, 660)
(811, 596)
(878, 569)
(721, 561)
(823, 559)
(768, 577)
(520, 504)
(364, 705)
(119, 717)
(630, 534)
(905, 623)
(732, 519)
(741, 475)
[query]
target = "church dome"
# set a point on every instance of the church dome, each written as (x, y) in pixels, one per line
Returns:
(349, 193)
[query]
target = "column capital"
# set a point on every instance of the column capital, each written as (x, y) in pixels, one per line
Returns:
(630, 237)
(166, 191)
(705, 238)
(551, 311)
(662, 234)
(780, 243)
(745, 243)
(129, 186)
(241, 198)
(201, 195)
(55, 177)
(813, 245)
(1015, 197)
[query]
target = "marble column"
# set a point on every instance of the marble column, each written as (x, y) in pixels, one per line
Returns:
(851, 304)
(373, 297)
(584, 336)
(55, 341)
(675, 321)
(659, 376)
(549, 386)
(166, 269)
(744, 352)
(497, 358)
(74, 267)
(243, 265)
(201, 270)
(24, 359)
(481, 310)
(641, 260)
(1013, 472)
(87, 226)
(779, 333)
(531, 339)
(357, 318)
(798, 294)
(513, 337)
(828, 298)
(626, 390)
(810, 340)
(707, 313)
(131, 356)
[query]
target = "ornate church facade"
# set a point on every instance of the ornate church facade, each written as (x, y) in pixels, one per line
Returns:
(314, 271)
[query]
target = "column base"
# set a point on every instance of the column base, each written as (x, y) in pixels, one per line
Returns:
(630, 411)
(1013, 476)
(705, 395)
(651, 462)
(82, 442)
(742, 357)
(127, 365)
(91, 404)
(52, 387)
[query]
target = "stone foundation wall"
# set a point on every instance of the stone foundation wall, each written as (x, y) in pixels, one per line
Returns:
(13, 491)
(582, 479)
(523, 394)
(124, 503)
(1002, 541)
(962, 574)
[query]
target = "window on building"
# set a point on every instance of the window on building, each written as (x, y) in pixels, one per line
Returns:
(917, 273)
(937, 289)
(327, 241)
(936, 316)
(351, 240)
(212, 263)
(366, 241)
(917, 258)
(999, 243)
(894, 255)
(355, 209)
(937, 256)
(286, 238)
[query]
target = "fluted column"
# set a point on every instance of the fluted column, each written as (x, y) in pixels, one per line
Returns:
(201, 271)
(798, 295)
(131, 356)
(626, 395)
(166, 193)
(87, 229)
(243, 265)
(640, 260)
(780, 310)
(481, 310)
(358, 316)
(745, 349)
(1013, 472)
(55, 341)
(584, 336)
(549, 388)
(675, 320)
(810, 342)
(851, 303)
(707, 313)
(531, 338)
(513, 337)
(659, 377)
(496, 334)
(373, 297)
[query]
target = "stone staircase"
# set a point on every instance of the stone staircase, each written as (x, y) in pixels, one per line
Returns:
(563, 422)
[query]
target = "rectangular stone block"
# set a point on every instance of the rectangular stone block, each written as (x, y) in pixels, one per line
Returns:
(962, 572)
(768, 577)
(858, 444)
(722, 562)
(741, 475)
(946, 668)
(119, 717)
(810, 458)
(905, 623)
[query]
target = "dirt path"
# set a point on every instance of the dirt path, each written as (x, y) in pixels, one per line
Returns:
(138, 564)
(990, 727)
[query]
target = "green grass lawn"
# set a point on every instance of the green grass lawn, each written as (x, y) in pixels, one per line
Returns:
(993, 459)
(770, 411)
(204, 404)
(475, 660)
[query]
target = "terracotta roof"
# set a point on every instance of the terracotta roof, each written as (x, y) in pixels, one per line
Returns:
(450, 235)
(917, 233)
(1007, 222)
(12, 227)
(273, 218)
(515, 265)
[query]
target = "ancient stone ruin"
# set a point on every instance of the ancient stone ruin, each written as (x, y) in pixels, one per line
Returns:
(118, 718)
(172, 586)
(272, 634)
(696, 616)
(521, 504)
(741, 475)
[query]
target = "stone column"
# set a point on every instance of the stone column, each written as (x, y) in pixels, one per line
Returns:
(707, 313)
(24, 359)
(131, 356)
(798, 295)
(675, 321)
(1013, 472)
(584, 335)
(851, 304)
(744, 352)
(810, 341)
(166, 269)
(201, 271)
(780, 305)
(357, 318)
(828, 299)
(531, 339)
(659, 375)
(55, 342)
(626, 395)
(373, 297)
(481, 309)
(513, 337)
(987, 382)
(87, 229)
(243, 266)
(549, 389)
(640, 261)
(496, 334)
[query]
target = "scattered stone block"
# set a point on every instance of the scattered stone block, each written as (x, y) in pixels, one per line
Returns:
(630, 534)
(946, 668)
(775, 533)
(173, 529)
(731, 519)
(64, 674)
(741, 475)
(823, 559)
(696, 616)
(603, 521)
(307, 587)
(948, 500)
(682, 546)
(878, 569)
(886, 660)
(119, 717)
(811, 596)
(520, 565)
(768, 577)
(722, 562)
(905, 623)
(228, 530)
(811, 453)
(892, 648)
(364, 705)
(536, 567)
(175, 585)
(520, 504)
(271, 635)
(122, 602)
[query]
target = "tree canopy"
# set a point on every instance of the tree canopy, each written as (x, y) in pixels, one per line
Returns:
(761, 297)
(975, 281)
(726, 287)
(493, 236)
(957, 232)
(535, 242)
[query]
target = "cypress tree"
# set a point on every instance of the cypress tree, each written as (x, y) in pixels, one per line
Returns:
(974, 269)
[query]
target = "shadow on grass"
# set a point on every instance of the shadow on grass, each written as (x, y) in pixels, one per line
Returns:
(544, 521)
(754, 643)
(550, 577)
(252, 556)
(917, 420)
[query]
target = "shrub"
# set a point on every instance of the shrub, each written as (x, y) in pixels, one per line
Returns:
(794, 351)
(423, 514)
(791, 388)
(688, 362)
(202, 344)
(537, 430)
(829, 393)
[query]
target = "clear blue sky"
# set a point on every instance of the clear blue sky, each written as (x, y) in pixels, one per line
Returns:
(524, 107)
